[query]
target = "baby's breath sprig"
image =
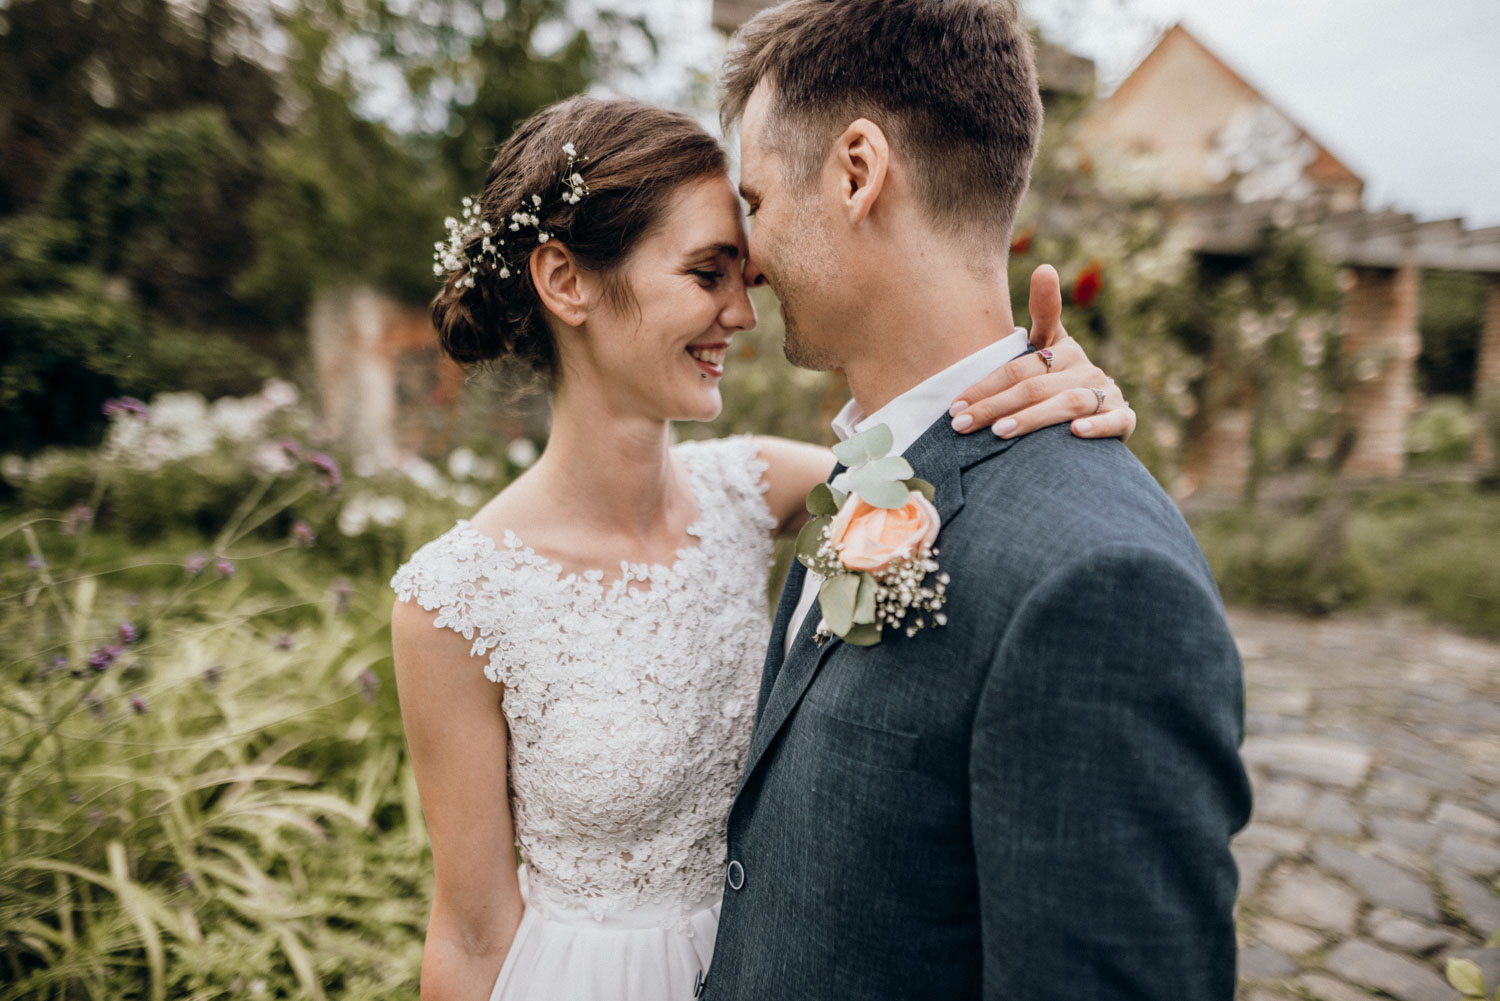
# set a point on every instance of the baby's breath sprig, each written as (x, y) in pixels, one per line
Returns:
(572, 179)
(454, 255)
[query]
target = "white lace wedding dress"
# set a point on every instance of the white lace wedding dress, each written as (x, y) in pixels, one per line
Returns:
(630, 704)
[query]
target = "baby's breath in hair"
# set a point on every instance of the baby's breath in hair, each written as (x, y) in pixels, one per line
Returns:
(455, 255)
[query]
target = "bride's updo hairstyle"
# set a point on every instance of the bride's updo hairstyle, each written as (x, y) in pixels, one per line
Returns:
(636, 157)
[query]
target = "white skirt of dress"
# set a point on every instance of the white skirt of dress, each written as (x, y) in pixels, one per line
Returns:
(565, 954)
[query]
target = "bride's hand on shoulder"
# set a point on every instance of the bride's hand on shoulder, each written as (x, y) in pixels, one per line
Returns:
(1053, 385)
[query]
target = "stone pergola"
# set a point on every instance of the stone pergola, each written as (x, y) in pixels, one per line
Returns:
(1385, 252)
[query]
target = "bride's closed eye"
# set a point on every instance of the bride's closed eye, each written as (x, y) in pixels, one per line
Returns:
(708, 278)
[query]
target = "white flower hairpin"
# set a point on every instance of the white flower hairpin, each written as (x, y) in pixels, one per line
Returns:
(454, 255)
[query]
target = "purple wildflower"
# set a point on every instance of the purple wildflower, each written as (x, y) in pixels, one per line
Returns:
(128, 634)
(283, 642)
(369, 685)
(74, 797)
(292, 449)
(194, 564)
(95, 817)
(329, 467)
(36, 563)
(212, 675)
(101, 658)
(139, 705)
(343, 591)
(77, 519)
(186, 880)
(302, 532)
(125, 405)
(225, 567)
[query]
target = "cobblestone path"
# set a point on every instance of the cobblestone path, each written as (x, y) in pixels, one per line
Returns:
(1374, 748)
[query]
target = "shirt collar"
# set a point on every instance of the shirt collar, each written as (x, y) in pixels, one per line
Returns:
(911, 413)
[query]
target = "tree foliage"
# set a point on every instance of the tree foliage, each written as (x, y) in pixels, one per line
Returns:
(179, 181)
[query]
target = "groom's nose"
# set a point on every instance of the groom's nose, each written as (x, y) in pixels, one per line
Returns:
(754, 278)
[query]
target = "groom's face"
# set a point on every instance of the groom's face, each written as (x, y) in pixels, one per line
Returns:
(790, 245)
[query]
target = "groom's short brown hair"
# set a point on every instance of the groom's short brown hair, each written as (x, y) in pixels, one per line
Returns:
(952, 82)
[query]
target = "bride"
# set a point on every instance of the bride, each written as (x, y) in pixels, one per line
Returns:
(578, 663)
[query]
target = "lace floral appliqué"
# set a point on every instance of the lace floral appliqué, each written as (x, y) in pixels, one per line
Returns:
(629, 703)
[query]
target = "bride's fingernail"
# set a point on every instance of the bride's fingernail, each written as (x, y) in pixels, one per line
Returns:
(1083, 427)
(959, 405)
(1005, 427)
(963, 423)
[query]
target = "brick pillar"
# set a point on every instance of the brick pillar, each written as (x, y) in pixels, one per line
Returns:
(1218, 460)
(1487, 387)
(1380, 348)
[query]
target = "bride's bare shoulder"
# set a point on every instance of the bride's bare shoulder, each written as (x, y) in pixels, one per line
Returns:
(516, 509)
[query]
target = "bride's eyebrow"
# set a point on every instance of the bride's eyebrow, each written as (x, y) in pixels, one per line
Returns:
(729, 250)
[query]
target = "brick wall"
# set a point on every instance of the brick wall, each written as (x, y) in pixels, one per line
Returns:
(1380, 348)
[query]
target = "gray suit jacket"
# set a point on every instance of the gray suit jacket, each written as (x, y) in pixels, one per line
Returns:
(1034, 801)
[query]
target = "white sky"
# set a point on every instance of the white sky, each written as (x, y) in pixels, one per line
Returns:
(1407, 94)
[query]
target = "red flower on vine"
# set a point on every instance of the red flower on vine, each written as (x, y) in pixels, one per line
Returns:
(1022, 242)
(1088, 284)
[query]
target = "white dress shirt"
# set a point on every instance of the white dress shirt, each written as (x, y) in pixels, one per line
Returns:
(908, 416)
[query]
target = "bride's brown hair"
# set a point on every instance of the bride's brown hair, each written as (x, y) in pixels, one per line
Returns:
(637, 155)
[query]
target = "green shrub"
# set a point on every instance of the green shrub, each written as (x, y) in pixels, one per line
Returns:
(1443, 432)
(1425, 546)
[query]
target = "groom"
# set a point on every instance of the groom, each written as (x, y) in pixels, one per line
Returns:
(1035, 800)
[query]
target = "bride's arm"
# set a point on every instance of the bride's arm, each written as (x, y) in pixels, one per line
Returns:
(456, 736)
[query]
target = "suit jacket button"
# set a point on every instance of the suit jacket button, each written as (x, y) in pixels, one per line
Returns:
(736, 875)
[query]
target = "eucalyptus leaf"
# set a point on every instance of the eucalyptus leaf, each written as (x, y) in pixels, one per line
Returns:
(837, 597)
(862, 635)
(864, 601)
(892, 467)
(924, 488)
(889, 495)
(1466, 978)
(876, 476)
(823, 500)
(865, 446)
(809, 540)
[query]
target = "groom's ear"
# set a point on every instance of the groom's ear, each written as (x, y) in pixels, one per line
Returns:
(559, 283)
(862, 158)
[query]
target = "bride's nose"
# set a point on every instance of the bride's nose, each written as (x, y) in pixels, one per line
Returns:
(739, 314)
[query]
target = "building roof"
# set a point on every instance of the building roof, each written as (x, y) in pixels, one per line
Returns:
(1161, 73)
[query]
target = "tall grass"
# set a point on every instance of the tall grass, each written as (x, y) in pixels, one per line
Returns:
(204, 790)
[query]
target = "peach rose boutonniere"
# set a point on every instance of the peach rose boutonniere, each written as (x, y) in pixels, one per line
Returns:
(873, 547)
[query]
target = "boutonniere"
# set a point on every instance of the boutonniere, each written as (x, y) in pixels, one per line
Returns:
(873, 547)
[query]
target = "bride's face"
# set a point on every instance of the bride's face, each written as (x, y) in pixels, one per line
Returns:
(664, 357)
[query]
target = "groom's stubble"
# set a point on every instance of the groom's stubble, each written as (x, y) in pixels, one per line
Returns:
(803, 268)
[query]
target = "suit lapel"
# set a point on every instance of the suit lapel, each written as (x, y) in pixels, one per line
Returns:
(940, 456)
(791, 594)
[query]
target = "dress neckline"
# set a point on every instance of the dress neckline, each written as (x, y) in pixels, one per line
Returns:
(656, 574)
